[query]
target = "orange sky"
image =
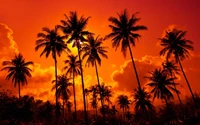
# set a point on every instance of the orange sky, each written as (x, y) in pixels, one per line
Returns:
(21, 20)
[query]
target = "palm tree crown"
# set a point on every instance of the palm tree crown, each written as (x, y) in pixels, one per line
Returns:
(52, 42)
(124, 30)
(171, 68)
(92, 49)
(175, 44)
(123, 101)
(76, 28)
(72, 65)
(62, 87)
(18, 70)
(162, 84)
(142, 100)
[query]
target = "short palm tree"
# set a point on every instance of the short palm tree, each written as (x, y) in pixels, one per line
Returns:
(53, 44)
(106, 93)
(94, 102)
(162, 85)
(63, 91)
(76, 29)
(142, 100)
(124, 32)
(18, 70)
(73, 69)
(171, 69)
(123, 102)
(92, 50)
(175, 43)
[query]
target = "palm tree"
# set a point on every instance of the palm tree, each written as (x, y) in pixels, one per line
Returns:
(142, 100)
(73, 69)
(162, 85)
(76, 29)
(92, 50)
(171, 69)
(106, 93)
(175, 43)
(53, 43)
(87, 92)
(123, 102)
(18, 70)
(124, 32)
(62, 89)
(94, 103)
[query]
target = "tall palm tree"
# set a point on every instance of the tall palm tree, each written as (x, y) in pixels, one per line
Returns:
(123, 102)
(142, 100)
(18, 70)
(92, 50)
(73, 69)
(63, 91)
(175, 43)
(124, 32)
(171, 69)
(162, 85)
(52, 43)
(76, 29)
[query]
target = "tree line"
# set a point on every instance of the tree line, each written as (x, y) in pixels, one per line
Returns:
(124, 34)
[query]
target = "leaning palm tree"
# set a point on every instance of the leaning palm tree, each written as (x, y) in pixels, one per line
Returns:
(76, 29)
(92, 50)
(53, 43)
(175, 43)
(124, 32)
(73, 69)
(142, 100)
(123, 102)
(162, 85)
(18, 70)
(63, 91)
(171, 69)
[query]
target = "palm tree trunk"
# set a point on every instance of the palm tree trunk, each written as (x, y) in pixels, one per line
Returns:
(137, 77)
(74, 98)
(55, 60)
(83, 88)
(63, 108)
(177, 93)
(102, 105)
(19, 90)
(187, 82)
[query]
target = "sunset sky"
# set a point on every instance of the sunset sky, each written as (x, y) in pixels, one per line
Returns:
(21, 20)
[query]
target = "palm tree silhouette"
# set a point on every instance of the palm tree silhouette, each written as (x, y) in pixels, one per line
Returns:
(53, 43)
(76, 29)
(142, 101)
(18, 70)
(175, 43)
(94, 103)
(123, 102)
(92, 50)
(62, 89)
(87, 92)
(161, 85)
(171, 69)
(106, 93)
(73, 69)
(124, 32)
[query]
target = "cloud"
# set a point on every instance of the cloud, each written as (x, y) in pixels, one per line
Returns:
(125, 76)
(126, 82)
(8, 46)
